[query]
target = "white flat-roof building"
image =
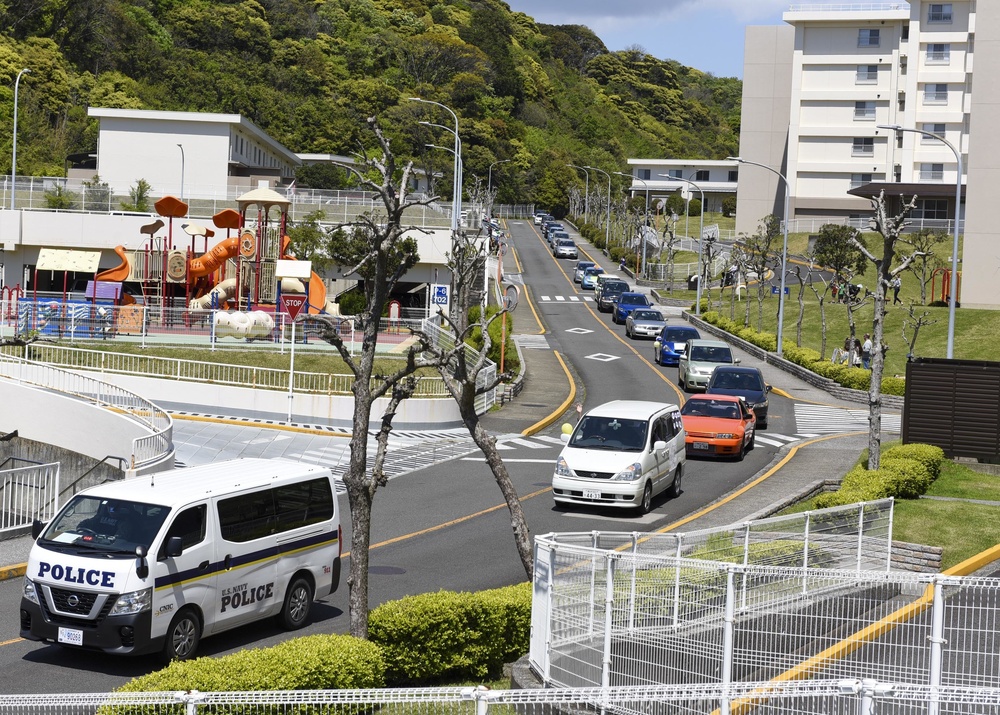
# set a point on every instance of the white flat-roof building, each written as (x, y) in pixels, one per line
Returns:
(816, 89)
(715, 178)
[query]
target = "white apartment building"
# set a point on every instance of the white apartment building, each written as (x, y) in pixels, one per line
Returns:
(658, 178)
(816, 89)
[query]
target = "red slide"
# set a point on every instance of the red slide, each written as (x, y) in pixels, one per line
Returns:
(213, 260)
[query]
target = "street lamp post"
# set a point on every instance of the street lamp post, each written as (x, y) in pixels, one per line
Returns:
(701, 236)
(953, 294)
(645, 218)
(489, 179)
(456, 186)
(13, 158)
(586, 192)
(459, 174)
(607, 221)
(784, 245)
(181, 147)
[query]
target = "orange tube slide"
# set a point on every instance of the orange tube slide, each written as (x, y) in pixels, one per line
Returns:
(214, 259)
(119, 273)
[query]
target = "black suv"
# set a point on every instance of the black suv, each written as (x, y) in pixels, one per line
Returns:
(610, 290)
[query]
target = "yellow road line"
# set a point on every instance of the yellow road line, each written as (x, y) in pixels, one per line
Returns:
(552, 417)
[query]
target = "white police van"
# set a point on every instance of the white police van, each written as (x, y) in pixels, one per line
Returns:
(143, 566)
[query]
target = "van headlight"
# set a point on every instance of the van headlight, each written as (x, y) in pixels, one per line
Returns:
(134, 602)
(629, 474)
(562, 469)
(29, 592)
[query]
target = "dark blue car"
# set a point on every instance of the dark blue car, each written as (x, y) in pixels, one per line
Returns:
(627, 302)
(669, 347)
(744, 382)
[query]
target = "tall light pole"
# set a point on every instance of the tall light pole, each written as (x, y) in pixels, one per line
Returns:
(701, 236)
(645, 217)
(586, 192)
(456, 186)
(13, 158)
(607, 221)
(489, 178)
(953, 294)
(784, 245)
(181, 147)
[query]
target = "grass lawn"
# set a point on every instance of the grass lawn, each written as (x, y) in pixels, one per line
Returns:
(962, 529)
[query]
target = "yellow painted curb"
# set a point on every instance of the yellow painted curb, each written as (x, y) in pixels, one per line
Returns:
(8, 573)
(249, 423)
(546, 421)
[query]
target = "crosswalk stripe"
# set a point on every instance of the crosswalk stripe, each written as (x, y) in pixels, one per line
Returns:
(526, 443)
(772, 442)
(546, 438)
(822, 419)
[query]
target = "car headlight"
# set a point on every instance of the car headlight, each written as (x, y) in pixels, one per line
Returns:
(562, 469)
(29, 591)
(725, 435)
(629, 474)
(133, 602)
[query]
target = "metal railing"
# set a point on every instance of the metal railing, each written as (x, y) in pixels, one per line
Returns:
(146, 450)
(813, 225)
(28, 493)
(845, 697)
(445, 340)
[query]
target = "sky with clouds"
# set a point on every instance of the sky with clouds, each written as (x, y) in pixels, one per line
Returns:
(704, 34)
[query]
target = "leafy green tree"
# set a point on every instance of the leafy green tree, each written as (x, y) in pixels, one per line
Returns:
(729, 206)
(96, 195)
(310, 242)
(138, 197)
(322, 175)
(60, 199)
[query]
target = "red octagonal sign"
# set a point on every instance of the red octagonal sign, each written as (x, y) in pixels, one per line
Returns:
(292, 304)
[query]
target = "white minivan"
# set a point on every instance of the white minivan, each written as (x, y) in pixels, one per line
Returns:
(621, 454)
(152, 565)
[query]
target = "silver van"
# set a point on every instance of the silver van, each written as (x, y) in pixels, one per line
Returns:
(695, 365)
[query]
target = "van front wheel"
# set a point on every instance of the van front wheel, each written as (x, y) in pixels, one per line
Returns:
(182, 637)
(298, 604)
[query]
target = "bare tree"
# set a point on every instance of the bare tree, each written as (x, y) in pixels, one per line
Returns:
(803, 277)
(461, 370)
(923, 244)
(889, 226)
(759, 249)
(379, 251)
(738, 260)
(669, 243)
(916, 322)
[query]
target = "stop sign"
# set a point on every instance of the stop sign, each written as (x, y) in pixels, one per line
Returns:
(292, 304)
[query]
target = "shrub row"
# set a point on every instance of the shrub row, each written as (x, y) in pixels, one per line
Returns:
(418, 639)
(854, 378)
(905, 472)
(511, 362)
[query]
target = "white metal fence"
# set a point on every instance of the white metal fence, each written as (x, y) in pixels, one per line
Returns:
(28, 493)
(446, 340)
(826, 697)
(813, 225)
(795, 598)
(146, 450)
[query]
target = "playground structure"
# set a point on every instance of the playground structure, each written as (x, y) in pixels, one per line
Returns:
(945, 294)
(238, 273)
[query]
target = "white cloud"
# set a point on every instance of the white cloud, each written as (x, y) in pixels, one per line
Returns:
(603, 13)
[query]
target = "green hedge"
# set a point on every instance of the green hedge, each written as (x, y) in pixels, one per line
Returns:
(446, 634)
(855, 378)
(308, 663)
(930, 456)
(511, 363)
(905, 472)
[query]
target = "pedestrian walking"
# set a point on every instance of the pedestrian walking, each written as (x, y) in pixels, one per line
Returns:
(866, 352)
(896, 284)
(842, 355)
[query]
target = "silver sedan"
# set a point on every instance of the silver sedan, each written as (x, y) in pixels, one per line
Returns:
(565, 248)
(644, 323)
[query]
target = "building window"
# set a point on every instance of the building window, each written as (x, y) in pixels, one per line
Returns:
(674, 173)
(938, 129)
(938, 53)
(868, 38)
(932, 172)
(906, 32)
(930, 209)
(859, 180)
(863, 146)
(864, 111)
(734, 176)
(939, 12)
(643, 174)
(701, 175)
(867, 74)
(936, 94)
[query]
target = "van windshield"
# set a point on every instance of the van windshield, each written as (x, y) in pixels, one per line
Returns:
(610, 433)
(711, 353)
(105, 525)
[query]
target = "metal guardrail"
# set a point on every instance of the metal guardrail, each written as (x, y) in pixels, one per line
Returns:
(28, 493)
(145, 450)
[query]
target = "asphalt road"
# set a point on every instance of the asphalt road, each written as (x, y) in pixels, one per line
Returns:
(446, 526)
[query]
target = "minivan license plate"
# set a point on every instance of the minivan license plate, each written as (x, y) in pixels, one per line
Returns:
(70, 636)
(591, 495)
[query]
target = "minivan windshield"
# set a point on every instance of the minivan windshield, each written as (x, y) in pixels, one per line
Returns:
(611, 433)
(680, 335)
(93, 523)
(710, 353)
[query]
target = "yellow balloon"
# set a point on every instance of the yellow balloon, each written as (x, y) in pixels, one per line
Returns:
(567, 428)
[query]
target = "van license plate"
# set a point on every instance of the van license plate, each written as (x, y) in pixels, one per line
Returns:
(591, 495)
(701, 445)
(70, 636)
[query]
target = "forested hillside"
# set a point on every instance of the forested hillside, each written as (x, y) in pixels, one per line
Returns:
(308, 72)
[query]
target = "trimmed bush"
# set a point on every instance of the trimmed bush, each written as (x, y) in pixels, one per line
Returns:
(928, 455)
(909, 478)
(308, 663)
(893, 386)
(447, 634)
(800, 356)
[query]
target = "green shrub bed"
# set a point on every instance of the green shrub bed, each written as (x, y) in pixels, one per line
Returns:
(905, 471)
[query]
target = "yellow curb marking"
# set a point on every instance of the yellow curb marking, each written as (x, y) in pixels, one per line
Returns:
(546, 421)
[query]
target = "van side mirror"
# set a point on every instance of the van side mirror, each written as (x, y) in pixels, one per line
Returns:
(141, 568)
(175, 546)
(767, 388)
(36, 528)
(736, 361)
(659, 445)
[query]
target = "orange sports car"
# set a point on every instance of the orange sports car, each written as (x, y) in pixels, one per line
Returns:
(718, 425)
